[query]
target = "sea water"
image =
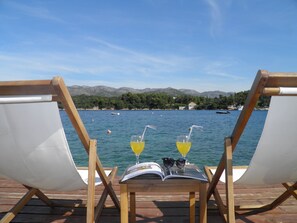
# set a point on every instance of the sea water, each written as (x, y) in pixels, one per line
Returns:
(113, 133)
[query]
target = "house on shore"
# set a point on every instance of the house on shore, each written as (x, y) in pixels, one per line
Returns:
(190, 106)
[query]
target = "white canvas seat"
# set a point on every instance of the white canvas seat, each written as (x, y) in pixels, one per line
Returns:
(34, 150)
(274, 160)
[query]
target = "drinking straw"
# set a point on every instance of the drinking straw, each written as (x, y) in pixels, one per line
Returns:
(147, 126)
(191, 128)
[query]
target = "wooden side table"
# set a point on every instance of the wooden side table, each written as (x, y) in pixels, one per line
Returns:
(132, 186)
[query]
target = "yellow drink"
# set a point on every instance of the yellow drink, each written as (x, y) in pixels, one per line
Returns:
(183, 147)
(137, 147)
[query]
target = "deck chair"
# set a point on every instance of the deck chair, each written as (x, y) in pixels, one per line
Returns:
(275, 158)
(34, 149)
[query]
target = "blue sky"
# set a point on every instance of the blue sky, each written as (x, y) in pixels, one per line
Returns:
(195, 44)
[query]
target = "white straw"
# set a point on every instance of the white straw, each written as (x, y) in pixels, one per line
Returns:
(191, 128)
(147, 126)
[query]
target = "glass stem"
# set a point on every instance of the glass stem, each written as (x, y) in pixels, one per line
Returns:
(137, 159)
(187, 162)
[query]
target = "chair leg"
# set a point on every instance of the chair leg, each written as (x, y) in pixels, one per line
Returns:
(100, 205)
(108, 185)
(16, 209)
(217, 196)
(227, 212)
(42, 197)
(91, 182)
(291, 191)
(229, 181)
(249, 209)
(292, 188)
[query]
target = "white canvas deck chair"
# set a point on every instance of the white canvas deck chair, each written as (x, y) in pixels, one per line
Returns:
(275, 157)
(34, 149)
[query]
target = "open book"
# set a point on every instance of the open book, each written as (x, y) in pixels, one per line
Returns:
(151, 168)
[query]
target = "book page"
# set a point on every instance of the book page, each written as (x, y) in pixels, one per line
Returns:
(141, 169)
(190, 172)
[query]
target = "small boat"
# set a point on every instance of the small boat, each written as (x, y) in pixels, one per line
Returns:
(115, 113)
(223, 112)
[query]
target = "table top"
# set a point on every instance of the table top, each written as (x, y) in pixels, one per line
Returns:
(144, 174)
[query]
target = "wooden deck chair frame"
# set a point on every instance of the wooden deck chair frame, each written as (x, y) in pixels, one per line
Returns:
(265, 83)
(57, 88)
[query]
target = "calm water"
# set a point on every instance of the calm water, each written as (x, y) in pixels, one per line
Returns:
(207, 145)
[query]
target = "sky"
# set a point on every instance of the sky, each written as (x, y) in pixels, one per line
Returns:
(203, 45)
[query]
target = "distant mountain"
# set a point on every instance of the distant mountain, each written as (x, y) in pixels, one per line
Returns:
(213, 94)
(114, 92)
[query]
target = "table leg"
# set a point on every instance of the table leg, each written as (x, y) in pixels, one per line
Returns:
(132, 207)
(203, 203)
(192, 200)
(124, 203)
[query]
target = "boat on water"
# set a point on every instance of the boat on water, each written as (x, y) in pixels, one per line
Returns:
(115, 113)
(223, 112)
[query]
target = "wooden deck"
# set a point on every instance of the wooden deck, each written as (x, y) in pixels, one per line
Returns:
(150, 207)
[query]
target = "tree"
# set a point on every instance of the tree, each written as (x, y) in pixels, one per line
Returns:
(163, 101)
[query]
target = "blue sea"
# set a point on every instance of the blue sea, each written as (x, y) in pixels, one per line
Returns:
(207, 145)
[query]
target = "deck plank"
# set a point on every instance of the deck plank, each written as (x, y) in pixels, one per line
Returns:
(151, 207)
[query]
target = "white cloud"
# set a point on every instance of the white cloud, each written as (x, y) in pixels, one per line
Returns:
(220, 69)
(97, 61)
(127, 51)
(218, 12)
(216, 17)
(35, 11)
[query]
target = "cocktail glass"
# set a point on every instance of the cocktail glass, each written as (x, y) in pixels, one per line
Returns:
(183, 144)
(137, 145)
